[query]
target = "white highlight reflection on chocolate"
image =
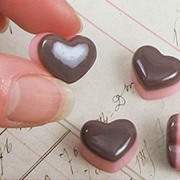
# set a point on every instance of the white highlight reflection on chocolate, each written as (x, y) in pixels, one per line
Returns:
(71, 56)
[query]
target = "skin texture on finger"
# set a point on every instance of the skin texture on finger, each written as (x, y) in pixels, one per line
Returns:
(37, 16)
(30, 96)
(3, 23)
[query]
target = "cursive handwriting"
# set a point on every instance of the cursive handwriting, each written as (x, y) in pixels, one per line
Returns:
(128, 87)
(7, 148)
(103, 118)
(76, 152)
(159, 130)
(86, 171)
(69, 160)
(144, 157)
(119, 99)
(97, 171)
(176, 32)
(47, 177)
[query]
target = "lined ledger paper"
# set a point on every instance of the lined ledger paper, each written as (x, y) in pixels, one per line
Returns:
(106, 92)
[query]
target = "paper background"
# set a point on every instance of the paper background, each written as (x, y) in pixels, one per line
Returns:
(118, 28)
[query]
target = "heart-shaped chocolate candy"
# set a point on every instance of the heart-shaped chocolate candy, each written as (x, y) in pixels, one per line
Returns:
(154, 70)
(67, 60)
(109, 141)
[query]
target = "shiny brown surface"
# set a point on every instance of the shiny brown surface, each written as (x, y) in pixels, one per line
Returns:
(154, 70)
(172, 140)
(67, 60)
(109, 141)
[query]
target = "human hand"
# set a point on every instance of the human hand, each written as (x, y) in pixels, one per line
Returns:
(29, 95)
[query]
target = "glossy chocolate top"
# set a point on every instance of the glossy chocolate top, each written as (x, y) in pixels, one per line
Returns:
(109, 141)
(172, 140)
(67, 60)
(154, 70)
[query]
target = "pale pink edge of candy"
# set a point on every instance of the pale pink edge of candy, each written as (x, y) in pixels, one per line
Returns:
(154, 94)
(177, 146)
(104, 164)
(33, 47)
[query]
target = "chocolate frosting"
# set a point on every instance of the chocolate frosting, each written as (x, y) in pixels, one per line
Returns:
(172, 140)
(67, 60)
(154, 70)
(109, 141)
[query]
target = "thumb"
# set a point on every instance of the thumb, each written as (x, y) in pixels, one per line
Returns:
(29, 95)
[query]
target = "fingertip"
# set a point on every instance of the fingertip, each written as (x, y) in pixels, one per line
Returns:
(4, 22)
(52, 16)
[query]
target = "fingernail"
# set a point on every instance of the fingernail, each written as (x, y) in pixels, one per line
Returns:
(37, 100)
(6, 26)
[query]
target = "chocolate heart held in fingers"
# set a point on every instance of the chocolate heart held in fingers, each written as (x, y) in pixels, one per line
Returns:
(108, 146)
(67, 60)
(154, 73)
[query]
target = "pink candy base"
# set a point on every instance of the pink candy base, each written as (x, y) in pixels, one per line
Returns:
(104, 164)
(33, 47)
(154, 94)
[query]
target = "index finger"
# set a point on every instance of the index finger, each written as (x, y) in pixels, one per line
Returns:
(37, 16)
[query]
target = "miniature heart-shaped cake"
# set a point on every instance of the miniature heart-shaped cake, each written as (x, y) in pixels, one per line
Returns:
(173, 139)
(109, 147)
(155, 76)
(67, 60)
